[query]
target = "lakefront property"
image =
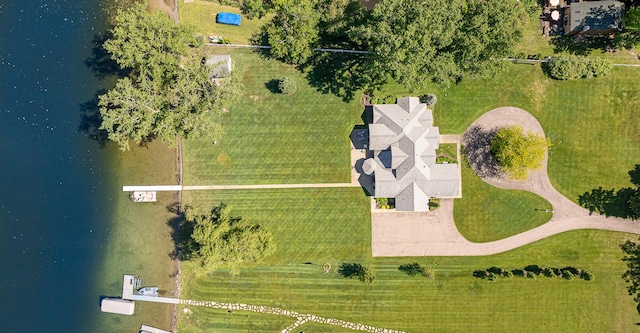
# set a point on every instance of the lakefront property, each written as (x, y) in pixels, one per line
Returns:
(278, 175)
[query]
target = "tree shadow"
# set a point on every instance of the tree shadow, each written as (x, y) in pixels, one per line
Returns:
(273, 86)
(184, 248)
(611, 202)
(341, 74)
(349, 270)
(90, 119)
(477, 142)
(100, 61)
(634, 175)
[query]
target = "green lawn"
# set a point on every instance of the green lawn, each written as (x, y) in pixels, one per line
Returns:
(202, 15)
(486, 213)
(272, 138)
(314, 226)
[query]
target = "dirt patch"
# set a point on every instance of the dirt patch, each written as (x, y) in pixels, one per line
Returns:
(168, 7)
(254, 98)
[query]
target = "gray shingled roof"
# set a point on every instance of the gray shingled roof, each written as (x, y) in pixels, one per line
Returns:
(597, 15)
(221, 65)
(404, 142)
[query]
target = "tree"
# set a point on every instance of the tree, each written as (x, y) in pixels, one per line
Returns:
(441, 41)
(149, 43)
(228, 241)
(632, 275)
(631, 19)
(414, 269)
(518, 152)
(287, 86)
(170, 93)
(293, 32)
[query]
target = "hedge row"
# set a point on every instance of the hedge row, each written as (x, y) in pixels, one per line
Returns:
(569, 67)
(533, 271)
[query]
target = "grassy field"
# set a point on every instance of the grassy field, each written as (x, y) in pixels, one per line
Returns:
(315, 226)
(486, 213)
(202, 15)
(271, 138)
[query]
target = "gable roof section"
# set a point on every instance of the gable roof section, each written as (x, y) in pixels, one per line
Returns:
(404, 142)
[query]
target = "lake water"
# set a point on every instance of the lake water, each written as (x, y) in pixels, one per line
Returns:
(57, 185)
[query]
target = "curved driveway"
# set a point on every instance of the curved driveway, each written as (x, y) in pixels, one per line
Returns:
(435, 234)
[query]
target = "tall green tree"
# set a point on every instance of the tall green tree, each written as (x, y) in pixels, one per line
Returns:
(631, 257)
(149, 43)
(441, 41)
(293, 32)
(170, 93)
(226, 241)
(517, 151)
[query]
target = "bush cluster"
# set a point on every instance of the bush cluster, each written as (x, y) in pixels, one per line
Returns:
(429, 99)
(389, 99)
(571, 67)
(287, 86)
(415, 269)
(521, 55)
(533, 271)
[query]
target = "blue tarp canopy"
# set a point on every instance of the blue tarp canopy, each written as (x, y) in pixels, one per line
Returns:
(228, 18)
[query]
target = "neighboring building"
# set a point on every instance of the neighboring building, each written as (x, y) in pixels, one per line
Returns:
(221, 66)
(404, 142)
(593, 17)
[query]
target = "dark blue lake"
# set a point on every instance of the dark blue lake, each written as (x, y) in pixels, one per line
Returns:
(56, 188)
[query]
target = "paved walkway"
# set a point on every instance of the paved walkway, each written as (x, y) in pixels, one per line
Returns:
(301, 318)
(435, 233)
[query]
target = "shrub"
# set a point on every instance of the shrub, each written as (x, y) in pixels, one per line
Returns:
(600, 67)
(287, 86)
(575, 67)
(567, 275)
(414, 269)
(548, 272)
(366, 275)
(434, 203)
(535, 269)
(585, 275)
(429, 99)
(517, 272)
(573, 270)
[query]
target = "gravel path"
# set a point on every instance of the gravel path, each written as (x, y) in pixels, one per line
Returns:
(301, 318)
(435, 233)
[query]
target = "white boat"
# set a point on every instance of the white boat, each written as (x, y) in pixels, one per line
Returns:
(143, 196)
(148, 291)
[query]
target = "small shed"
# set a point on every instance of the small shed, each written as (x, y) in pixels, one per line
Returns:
(220, 66)
(118, 306)
(228, 18)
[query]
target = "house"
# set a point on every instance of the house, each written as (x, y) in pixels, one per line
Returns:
(593, 17)
(404, 142)
(220, 66)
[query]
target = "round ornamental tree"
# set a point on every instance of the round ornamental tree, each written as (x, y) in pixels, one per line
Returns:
(517, 151)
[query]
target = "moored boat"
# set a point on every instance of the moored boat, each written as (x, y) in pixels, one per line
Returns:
(148, 291)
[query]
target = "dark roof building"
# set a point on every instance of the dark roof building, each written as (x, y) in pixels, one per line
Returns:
(593, 17)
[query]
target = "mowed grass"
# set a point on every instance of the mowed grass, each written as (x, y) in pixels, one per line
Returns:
(314, 226)
(202, 15)
(486, 213)
(593, 124)
(271, 138)
(309, 225)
